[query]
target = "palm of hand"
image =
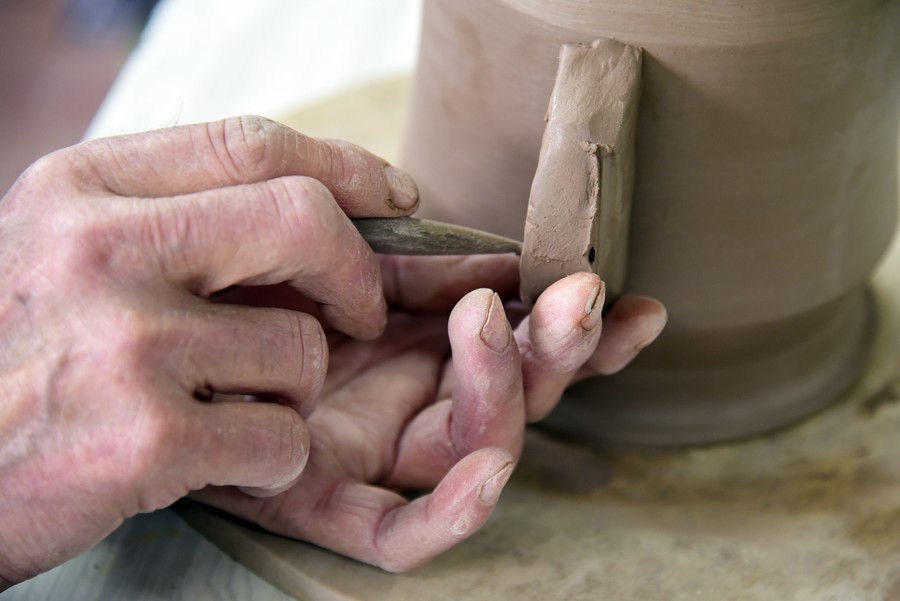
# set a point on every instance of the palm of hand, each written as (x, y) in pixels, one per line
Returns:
(387, 421)
(435, 403)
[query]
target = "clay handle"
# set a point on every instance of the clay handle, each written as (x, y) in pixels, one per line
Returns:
(580, 203)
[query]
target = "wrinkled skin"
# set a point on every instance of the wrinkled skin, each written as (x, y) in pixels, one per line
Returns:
(151, 285)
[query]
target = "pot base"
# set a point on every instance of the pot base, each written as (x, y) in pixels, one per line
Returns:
(645, 406)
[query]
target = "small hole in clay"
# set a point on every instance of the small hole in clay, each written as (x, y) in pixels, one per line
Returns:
(592, 254)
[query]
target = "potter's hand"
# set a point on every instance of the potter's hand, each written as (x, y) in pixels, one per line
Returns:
(108, 346)
(398, 414)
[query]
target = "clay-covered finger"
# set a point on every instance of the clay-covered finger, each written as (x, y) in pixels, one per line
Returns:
(284, 230)
(270, 353)
(487, 406)
(242, 150)
(260, 447)
(437, 283)
(558, 337)
(378, 526)
(631, 324)
(412, 534)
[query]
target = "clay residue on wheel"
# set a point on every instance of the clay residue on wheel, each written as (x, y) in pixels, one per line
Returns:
(581, 194)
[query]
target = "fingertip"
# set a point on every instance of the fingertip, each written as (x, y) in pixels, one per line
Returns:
(493, 485)
(593, 308)
(364, 184)
(566, 319)
(495, 332)
(465, 497)
(647, 317)
(470, 312)
(266, 493)
(586, 286)
(364, 324)
(260, 447)
(488, 400)
(658, 317)
(557, 339)
(296, 463)
(313, 363)
(479, 296)
(632, 324)
(402, 189)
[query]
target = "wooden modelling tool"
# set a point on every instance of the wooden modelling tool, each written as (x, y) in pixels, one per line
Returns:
(411, 236)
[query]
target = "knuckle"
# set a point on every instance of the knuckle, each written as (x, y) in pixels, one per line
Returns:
(307, 213)
(338, 159)
(83, 241)
(37, 176)
(170, 234)
(353, 172)
(51, 164)
(329, 159)
(248, 147)
(45, 183)
(132, 342)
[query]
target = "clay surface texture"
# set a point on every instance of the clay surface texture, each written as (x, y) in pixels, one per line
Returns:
(765, 188)
(581, 193)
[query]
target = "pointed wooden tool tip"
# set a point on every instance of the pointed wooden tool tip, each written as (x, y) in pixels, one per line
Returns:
(412, 236)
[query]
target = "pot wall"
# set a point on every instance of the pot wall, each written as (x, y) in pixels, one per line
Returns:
(765, 186)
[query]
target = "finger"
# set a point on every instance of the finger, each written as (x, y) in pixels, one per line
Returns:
(262, 352)
(380, 527)
(283, 230)
(557, 338)
(487, 408)
(405, 362)
(435, 284)
(281, 296)
(243, 150)
(632, 323)
(261, 447)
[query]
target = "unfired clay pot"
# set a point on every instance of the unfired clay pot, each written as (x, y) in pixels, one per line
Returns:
(764, 191)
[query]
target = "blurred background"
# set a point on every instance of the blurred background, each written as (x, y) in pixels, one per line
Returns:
(58, 59)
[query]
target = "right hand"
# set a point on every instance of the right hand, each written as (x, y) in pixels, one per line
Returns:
(109, 252)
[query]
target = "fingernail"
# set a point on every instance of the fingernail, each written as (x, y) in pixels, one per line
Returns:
(654, 328)
(493, 486)
(404, 192)
(495, 332)
(593, 308)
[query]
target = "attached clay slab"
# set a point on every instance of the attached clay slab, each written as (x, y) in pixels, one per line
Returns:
(578, 210)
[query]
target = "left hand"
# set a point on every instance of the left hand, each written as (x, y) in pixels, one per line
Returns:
(440, 403)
